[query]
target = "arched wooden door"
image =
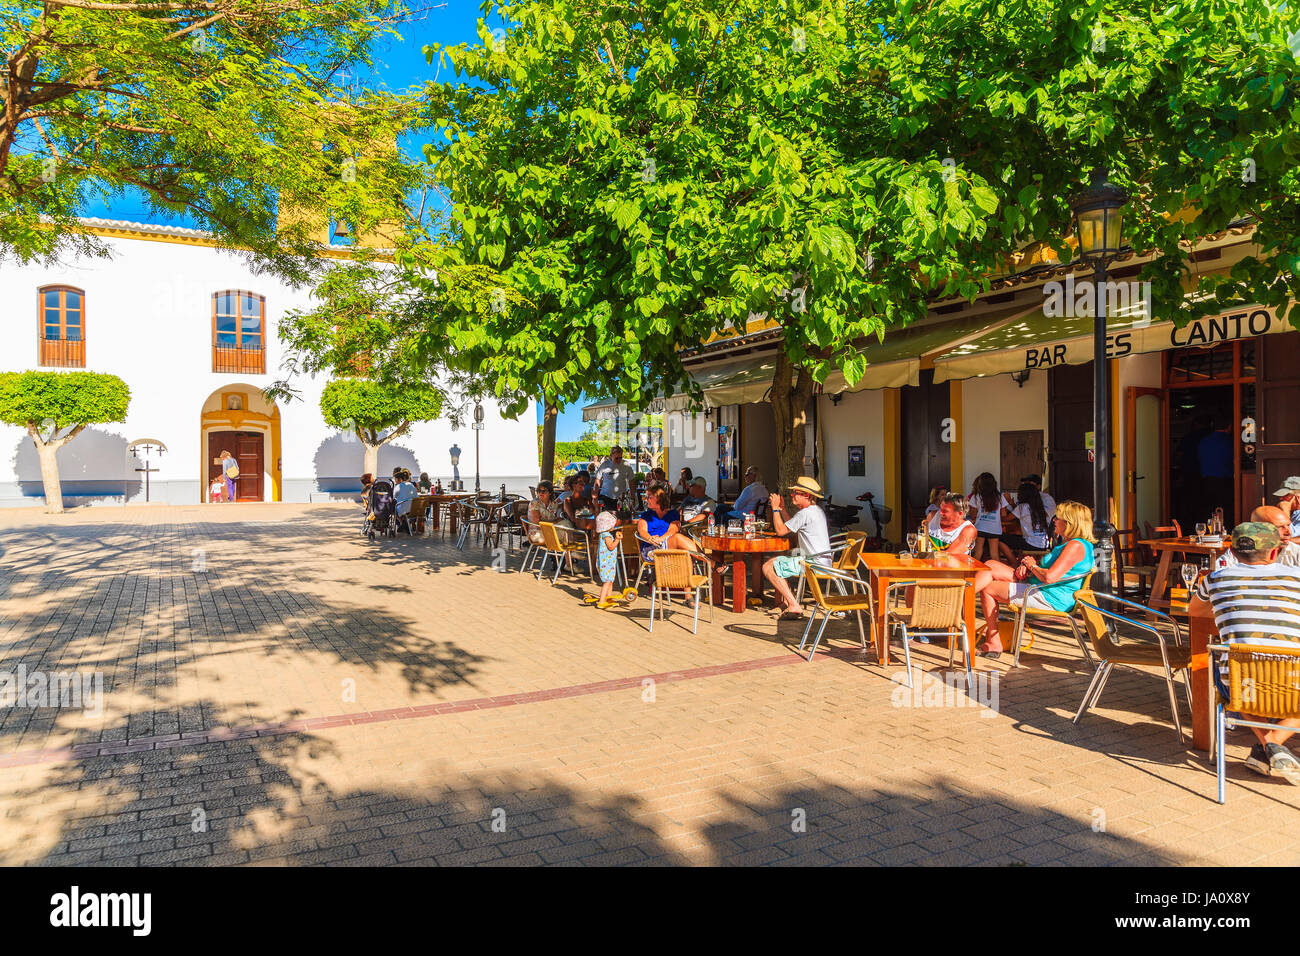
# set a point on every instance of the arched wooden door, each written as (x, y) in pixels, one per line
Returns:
(248, 449)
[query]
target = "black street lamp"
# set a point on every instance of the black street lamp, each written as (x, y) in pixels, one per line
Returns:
(478, 427)
(1097, 215)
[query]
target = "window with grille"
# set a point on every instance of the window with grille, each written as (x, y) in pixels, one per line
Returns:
(61, 317)
(238, 330)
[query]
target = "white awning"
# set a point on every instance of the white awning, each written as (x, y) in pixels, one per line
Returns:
(599, 411)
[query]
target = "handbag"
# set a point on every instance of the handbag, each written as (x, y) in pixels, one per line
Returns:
(233, 472)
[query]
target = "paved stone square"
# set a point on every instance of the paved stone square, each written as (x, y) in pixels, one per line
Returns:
(276, 689)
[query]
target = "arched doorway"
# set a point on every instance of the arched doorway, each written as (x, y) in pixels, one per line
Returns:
(236, 418)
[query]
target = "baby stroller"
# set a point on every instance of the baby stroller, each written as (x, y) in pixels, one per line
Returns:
(381, 510)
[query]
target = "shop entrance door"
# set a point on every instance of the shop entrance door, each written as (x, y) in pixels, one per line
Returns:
(926, 444)
(1144, 454)
(1278, 428)
(1069, 403)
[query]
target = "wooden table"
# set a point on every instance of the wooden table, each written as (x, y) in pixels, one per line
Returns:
(739, 551)
(1167, 547)
(888, 569)
(1200, 621)
(437, 501)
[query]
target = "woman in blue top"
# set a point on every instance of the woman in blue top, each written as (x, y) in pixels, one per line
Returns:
(1002, 584)
(660, 525)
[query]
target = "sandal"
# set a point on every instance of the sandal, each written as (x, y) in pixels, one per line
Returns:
(790, 616)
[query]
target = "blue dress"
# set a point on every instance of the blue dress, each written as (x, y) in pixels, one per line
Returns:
(607, 557)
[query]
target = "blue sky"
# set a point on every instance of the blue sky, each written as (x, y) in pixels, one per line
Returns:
(400, 66)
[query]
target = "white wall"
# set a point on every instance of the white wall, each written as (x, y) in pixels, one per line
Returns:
(692, 443)
(148, 319)
(992, 405)
(859, 419)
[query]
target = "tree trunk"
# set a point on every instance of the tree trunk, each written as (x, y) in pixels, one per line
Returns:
(52, 487)
(371, 465)
(791, 393)
(549, 413)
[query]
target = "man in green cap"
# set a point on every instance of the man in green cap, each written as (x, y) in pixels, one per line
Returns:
(1257, 601)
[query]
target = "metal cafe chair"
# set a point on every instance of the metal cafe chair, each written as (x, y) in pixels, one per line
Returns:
(1263, 682)
(473, 517)
(554, 545)
(1110, 650)
(937, 610)
(850, 553)
(856, 600)
(1024, 612)
(532, 531)
(675, 571)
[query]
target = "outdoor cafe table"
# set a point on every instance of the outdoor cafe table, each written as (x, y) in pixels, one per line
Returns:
(424, 502)
(889, 569)
(739, 550)
(1167, 547)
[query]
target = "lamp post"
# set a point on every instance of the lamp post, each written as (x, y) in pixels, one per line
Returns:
(1097, 215)
(478, 427)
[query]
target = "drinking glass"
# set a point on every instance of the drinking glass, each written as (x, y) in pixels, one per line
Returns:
(1190, 572)
(911, 542)
(1201, 528)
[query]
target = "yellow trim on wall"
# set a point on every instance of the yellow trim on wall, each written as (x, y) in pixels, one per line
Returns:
(120, 232)
(893, 462)
(1116, 435)
(956, 458)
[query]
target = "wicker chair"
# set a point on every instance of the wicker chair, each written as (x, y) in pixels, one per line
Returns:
(1024, 612)
(858, 599)
(556, 544)
(846, 562)
(937, 610)
(1263, 681)
(675, 571)
(1098, 622)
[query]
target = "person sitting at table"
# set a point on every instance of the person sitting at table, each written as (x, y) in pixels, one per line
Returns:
(683, 486)
(809, 523)
(1256, 600)
(1035, 522)
(1288, 554)
(1001, 584)
(936, 495)
(659, 526)
(579, 499)
(697, 505)
(425, 485)
(544, 508)
(751, 496)
(403, 494)
(949, 530)
(1289, 502)
(366, 481)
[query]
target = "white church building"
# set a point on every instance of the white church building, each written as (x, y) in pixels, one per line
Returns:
(192, 330)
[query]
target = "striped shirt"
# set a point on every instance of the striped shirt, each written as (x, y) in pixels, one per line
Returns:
(1255, 603)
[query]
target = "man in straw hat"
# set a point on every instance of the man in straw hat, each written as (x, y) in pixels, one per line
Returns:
(814, 540)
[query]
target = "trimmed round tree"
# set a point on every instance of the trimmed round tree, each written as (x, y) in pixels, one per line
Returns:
(55, 407)
(378, 412)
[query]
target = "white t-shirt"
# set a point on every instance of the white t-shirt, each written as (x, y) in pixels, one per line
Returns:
(1033, 537)
(946, 538)
(613, 479)
(814, 536)
(990, 522)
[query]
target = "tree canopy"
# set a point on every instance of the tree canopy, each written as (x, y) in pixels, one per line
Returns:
(649, 176)
(225, 111)
(52, 401)
(371, 408)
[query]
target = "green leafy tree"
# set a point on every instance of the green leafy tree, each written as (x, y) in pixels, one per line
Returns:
(55, 407)
(377, 412)
(653, 175)
(227, 111)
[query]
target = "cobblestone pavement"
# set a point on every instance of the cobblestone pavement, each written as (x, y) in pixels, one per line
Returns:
(278, 690)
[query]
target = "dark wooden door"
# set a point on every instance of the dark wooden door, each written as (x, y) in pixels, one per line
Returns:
(1069, 403)
(1021, 454)
(248, 449)
(927, 442)
(1277, 394)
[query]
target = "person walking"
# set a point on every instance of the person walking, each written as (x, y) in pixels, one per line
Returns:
(229, 471)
